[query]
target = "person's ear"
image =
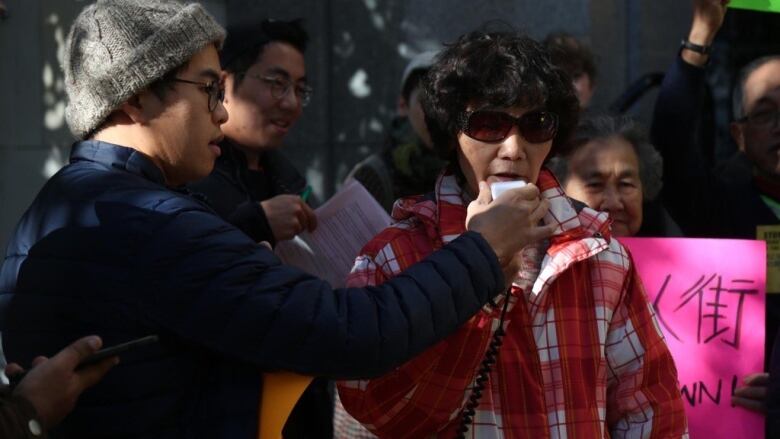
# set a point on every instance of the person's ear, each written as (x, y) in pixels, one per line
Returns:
(141, 107)
(738, 134)
(403, 107)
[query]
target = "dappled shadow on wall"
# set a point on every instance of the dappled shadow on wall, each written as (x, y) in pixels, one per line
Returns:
(371, 44)
(56, 133)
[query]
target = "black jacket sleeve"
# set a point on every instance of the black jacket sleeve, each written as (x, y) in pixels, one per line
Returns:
(690, 191)
(249, 217)
(227, 192)
(221, 291)
(224, 194)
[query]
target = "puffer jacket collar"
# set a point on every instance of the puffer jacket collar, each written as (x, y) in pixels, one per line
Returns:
(117, 157)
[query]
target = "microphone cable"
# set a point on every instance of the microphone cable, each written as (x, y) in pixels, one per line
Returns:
(484, 371)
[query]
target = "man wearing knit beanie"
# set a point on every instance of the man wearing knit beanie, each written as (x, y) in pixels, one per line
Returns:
(112, 245)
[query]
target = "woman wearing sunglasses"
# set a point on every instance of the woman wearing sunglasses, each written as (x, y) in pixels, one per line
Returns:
(573, 349)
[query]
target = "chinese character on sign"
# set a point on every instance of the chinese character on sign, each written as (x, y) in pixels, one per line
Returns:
(716, 307)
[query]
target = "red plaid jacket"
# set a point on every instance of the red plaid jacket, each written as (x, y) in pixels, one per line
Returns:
(583, 356)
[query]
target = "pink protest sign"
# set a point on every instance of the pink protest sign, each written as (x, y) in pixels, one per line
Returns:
(709, 296)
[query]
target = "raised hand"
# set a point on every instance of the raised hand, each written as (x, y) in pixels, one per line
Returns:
(708, 17)
(288, 215)
(752, 395)
(510, 222)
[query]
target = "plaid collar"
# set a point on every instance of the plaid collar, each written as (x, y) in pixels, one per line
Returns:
(578, 235)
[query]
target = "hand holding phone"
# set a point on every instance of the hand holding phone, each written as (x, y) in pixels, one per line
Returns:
(97, 356)
(53, 385)
(117, 349)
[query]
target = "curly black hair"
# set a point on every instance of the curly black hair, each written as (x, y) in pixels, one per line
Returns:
(500, 70)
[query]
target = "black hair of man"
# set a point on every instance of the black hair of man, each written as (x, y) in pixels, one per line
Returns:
(245, 42)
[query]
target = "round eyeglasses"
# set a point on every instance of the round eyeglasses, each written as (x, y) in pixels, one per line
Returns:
(280, 87)
(762, 119)
(214, 89)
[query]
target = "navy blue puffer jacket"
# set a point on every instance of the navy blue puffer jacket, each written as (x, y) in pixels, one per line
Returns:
(107, 249)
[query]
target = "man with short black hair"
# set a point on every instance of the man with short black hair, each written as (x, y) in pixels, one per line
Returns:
(253, 185)
(114, 246)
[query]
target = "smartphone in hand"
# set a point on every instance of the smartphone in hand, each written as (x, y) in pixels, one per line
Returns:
(98, 356)
(117, 349)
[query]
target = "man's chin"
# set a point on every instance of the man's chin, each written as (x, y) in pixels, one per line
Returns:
(275, 133)
(267, 140)
(256, 147)
(769, 173)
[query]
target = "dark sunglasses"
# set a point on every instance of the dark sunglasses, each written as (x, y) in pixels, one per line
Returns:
(494, 126)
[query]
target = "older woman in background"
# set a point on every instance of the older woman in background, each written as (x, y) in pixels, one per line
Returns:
(612, 167)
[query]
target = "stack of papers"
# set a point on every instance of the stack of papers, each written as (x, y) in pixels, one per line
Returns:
(345, 223)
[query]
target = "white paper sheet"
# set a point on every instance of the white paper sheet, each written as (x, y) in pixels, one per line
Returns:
(345, 223)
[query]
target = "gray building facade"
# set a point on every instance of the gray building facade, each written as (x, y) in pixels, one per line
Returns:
(357, 52)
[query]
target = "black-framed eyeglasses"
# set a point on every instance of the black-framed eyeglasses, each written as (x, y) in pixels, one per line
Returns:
(213, 89)
(767, 119)
(280, 87)
(494, 126)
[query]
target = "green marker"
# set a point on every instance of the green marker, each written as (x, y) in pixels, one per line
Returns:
(305, 194)
(756, 5)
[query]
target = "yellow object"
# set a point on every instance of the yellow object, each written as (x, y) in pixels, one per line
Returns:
(771, 234)
(281, 390)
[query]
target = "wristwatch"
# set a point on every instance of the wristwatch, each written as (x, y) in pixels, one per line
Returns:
(704, 50)
(34, 427)
(27, 418)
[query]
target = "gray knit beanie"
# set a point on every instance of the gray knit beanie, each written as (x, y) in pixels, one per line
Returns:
(115, 48)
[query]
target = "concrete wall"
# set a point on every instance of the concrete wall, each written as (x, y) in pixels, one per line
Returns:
(22, 148)
(35, 140)
(359, 49)
(357, 53)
